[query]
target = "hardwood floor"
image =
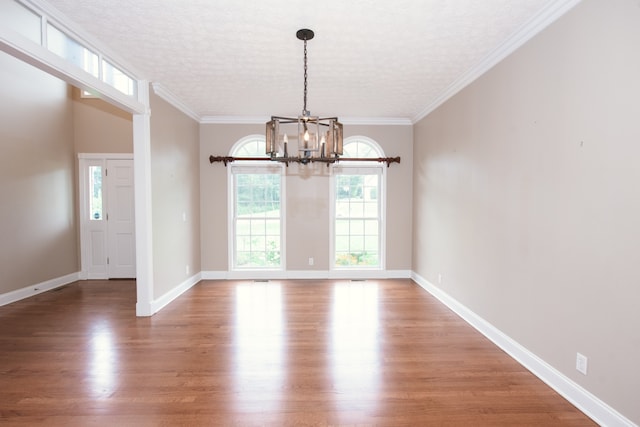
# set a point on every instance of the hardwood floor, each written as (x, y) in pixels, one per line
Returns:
(282, 353)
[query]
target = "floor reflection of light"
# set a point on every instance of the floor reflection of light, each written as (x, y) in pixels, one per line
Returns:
(259, 341)
(354, 349)
(103, 361)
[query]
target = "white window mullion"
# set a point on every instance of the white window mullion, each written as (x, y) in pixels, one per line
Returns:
(43, 31)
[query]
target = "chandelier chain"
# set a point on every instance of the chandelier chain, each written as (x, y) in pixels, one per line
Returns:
(304, 110)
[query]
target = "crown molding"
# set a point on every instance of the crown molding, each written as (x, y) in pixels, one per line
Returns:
(234, 120)
(253, 120)
(172, 99)
(376, 121)
(539, 22)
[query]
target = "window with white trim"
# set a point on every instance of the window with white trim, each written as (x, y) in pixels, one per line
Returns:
(358, 207)
(257, 209)
(30, 21)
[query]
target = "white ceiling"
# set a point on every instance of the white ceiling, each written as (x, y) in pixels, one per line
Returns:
(369, 59)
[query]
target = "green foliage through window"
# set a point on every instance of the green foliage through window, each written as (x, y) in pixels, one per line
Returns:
(357, 220)
(357, 209)
(257, 220)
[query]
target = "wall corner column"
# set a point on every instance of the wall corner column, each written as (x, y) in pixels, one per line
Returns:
(143, 208)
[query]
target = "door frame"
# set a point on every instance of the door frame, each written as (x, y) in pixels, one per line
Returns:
(85, 160)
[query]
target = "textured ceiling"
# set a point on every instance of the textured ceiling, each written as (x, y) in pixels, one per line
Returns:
(369, 59)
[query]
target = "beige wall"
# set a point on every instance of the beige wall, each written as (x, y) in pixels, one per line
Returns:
(175, 191)
(526, 197)
(43, 125)
(395, 141)
(37, 177)
(307, 203)
(99, 127)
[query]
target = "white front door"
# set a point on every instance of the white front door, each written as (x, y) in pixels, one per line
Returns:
(107, 217)
(121, 260)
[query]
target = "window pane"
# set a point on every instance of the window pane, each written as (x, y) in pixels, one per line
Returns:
(360, 148)
(344, 259)
(242, 258)
(272, 210)
(95, 193)
(273, 243)
(342, 208)
(370, 210)
(357, 227)
(366, 151)
(356, 243)
(257, 215)
(371, 243)
(342, 243)
(115, 77)
(371, 227)
(273, 227)
(257, 227)
(20, 19)
(369, 259)
(243, 227)
(258, 243)
(243, 243)
(255, 148)
(357, 210)
(272, 251)
(258, 209)
(350, 150)
(69, 49)
(342, 227)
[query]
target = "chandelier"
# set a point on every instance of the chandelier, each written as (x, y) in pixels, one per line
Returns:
(317, 139)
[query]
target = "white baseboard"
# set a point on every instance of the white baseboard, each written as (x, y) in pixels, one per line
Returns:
(144, 309)
(159, 303)
(306, 274)
(369, 274)
(582, 399)
(38, 288)
(214, 275)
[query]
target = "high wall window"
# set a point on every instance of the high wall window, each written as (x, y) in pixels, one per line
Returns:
(358, 207)
(43, 30)
(257, 207)
(66, 47)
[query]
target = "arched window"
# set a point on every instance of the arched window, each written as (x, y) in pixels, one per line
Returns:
(256, 238)
(358, 193)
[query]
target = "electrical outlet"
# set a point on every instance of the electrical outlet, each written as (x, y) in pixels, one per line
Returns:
(581, 363)
(187, 269)
(310, 260)
(439, 278)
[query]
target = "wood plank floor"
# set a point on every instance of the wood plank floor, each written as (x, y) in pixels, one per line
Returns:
(282, 353)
